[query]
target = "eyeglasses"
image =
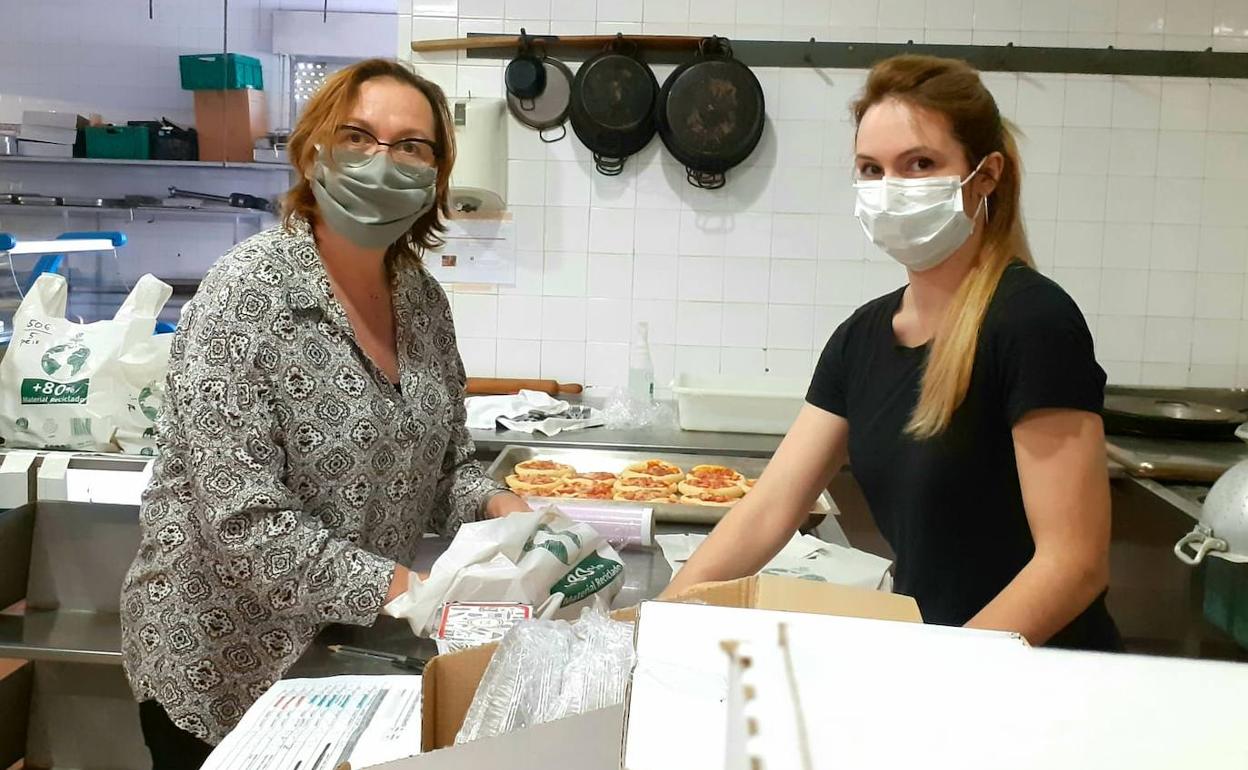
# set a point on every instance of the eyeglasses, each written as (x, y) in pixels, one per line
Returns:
(353, 146)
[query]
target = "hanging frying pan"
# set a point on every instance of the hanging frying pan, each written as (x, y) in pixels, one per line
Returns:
(613, 100)
(525, 76)
(711, 113)
(549, 109)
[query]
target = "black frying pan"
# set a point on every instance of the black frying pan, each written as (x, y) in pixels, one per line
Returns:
(613, 100)
(525, 77)
(711, 113)
(1169, 418)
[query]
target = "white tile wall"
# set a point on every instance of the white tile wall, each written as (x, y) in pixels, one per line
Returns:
(1134, 197)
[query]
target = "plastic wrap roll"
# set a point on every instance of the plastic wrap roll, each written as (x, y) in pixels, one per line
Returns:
(620, 525)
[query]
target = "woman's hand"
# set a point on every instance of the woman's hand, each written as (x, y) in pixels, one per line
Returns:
(398, 583)
(755, 530)
(504, 503)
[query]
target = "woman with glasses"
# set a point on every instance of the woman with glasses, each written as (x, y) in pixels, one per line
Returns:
(313, 426)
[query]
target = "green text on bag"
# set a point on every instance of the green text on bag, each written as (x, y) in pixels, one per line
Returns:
(37, 392)
(593, 574)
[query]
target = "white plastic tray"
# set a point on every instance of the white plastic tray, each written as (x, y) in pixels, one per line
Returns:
(739, 404)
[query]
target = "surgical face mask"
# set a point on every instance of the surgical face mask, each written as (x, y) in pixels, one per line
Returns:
(372, 201)
(918, 222)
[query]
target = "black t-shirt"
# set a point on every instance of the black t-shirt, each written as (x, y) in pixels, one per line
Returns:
(951, 506)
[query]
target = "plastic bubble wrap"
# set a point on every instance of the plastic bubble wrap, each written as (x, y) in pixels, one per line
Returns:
(545, 670)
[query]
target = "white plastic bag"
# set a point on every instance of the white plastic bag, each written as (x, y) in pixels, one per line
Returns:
(541, 558)
(64, 385)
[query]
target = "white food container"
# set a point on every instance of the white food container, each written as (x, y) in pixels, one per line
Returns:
(739, 404)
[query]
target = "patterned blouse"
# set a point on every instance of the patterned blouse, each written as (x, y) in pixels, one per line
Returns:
(291, 477)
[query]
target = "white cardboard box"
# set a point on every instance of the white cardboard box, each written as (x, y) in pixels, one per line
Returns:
(877, 694)
(589, 741)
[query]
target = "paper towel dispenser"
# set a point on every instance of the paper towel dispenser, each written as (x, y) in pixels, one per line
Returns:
(479, 181)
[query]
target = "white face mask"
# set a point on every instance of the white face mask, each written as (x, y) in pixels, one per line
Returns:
(918, 222)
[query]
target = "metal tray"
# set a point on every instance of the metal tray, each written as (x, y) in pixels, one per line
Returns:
(612, 461)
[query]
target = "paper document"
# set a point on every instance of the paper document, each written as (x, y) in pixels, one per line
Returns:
(805, 557)
(316, 724)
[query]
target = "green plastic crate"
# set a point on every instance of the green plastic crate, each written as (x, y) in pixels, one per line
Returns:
(124, 142)
(220, 72)
(1226, 597)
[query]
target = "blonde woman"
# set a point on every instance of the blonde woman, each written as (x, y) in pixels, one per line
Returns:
(314, 423)
(966, 402)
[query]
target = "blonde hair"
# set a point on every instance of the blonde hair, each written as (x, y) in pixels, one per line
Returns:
(329, 108)
(953, 88)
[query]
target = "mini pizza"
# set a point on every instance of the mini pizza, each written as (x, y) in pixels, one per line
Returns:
(543, 468)
(597, 476)
(584, 488)
(598, 491)
(715, 485)
(644, 496)
(708, 498)
(533, 485)
(634, 483)
(747, 484)
(656, 469)
(715, 472)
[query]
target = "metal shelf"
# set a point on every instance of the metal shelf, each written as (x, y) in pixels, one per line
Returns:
(196, 164)
(225, 212)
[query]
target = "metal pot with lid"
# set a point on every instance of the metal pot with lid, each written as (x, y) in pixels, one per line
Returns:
(1223, 527)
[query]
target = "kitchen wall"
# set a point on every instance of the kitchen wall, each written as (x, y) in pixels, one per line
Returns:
(1135, 195)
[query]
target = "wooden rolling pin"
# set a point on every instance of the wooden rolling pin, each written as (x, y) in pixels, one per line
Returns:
(501, 386)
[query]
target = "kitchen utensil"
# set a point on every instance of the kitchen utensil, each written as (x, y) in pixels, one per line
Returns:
(8, 144)
(237, 200)
(525, 77)
(24, 199)
(711, 113)
(408, 662)
(79, 200)
(501, 386)
(1170, 418)
(613, 102)
(549, 109)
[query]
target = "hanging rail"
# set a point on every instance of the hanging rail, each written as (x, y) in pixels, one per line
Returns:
(658, 49)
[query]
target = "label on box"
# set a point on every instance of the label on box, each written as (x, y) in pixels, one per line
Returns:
(469, 624)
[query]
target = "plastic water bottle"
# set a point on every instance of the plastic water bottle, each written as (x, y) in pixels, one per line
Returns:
(640, 365)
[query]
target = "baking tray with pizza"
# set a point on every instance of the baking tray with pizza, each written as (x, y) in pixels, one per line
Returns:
(683, 488)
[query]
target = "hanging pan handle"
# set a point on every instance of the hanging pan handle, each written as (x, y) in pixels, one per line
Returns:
(1202, 542)
(551, 140)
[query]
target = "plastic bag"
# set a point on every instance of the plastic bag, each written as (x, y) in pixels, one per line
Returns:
(548, 670)
(540, 558)
(623, 412)
(64, 385)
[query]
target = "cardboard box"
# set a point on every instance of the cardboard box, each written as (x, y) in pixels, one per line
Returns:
(53, 119)
(36, 133)
(229, 123)
(823, 693)
(451, 680)
(590, 741)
